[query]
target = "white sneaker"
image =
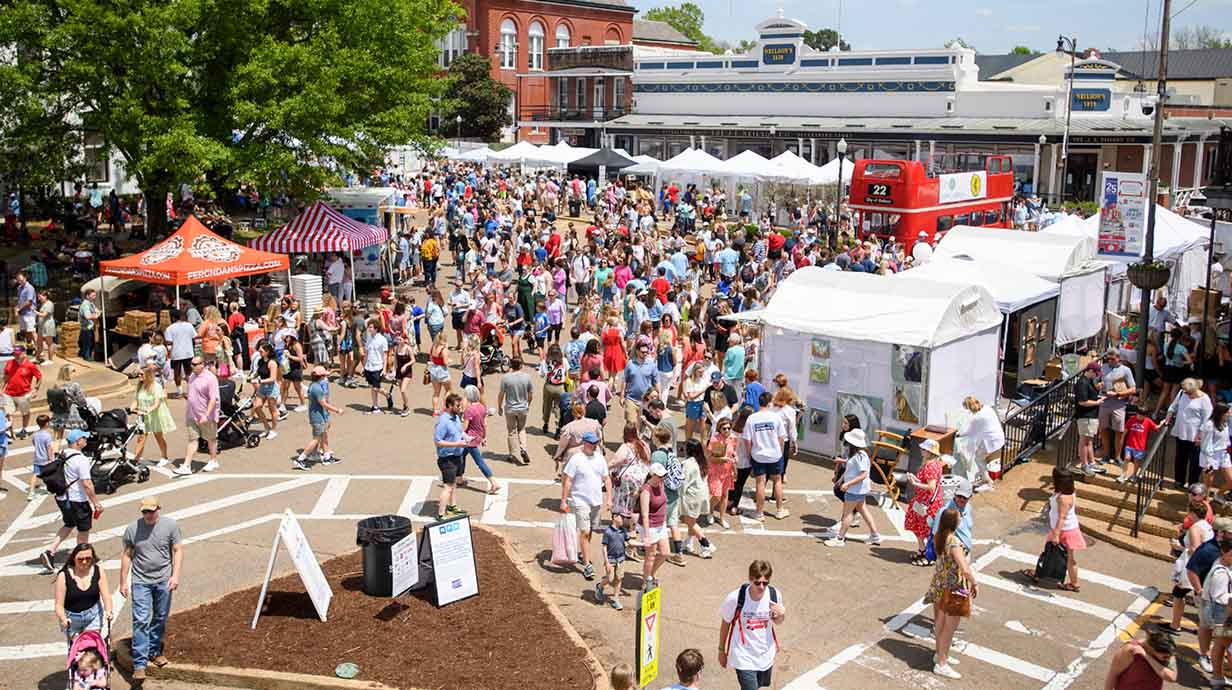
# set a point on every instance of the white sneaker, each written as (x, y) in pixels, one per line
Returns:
(163, 462)
(1204, 662)
(981, 489)
(874, 539)
(708, 551)
(271, 435)
(951, 661)
(835, 541)
(946, 672)
(782, 513)
(210, 466)
(182, 471)
(300, 408)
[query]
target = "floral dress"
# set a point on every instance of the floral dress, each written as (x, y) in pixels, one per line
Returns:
(721, 475)
(947, 576)
(919, 524)
(629, 478)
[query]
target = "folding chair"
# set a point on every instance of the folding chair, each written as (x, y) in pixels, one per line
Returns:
(888, 449)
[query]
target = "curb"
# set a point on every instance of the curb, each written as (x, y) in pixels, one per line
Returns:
(257, 679)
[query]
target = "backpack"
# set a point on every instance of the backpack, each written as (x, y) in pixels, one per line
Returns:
(53, 476)
(675, 473)
(737, 623)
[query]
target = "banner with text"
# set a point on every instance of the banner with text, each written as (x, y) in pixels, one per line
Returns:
(963, 186)
(1122, 214)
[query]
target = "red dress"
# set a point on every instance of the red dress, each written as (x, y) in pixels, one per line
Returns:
(614, 358)
(916, 523)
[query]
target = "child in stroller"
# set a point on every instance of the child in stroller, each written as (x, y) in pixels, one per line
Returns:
(110, 431)
(89, 664)
(491, 357)
(234, 421)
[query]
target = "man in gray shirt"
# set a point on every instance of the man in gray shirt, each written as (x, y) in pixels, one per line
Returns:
(1118, 389)
(516, 392)
(152, 548)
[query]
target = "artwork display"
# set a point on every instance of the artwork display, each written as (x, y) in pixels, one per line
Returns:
(820, 348)
(819, 373)
(865, 408)
(818, 421)
(1029, 329)
(1043, 330)
(1028, 355)
(909, 402)
(907, 364)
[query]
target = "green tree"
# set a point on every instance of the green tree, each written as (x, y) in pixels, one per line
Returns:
(958, 43)
(825, 39)
(1023, 50)
(280, 93)
(482, 101)
(688, 19)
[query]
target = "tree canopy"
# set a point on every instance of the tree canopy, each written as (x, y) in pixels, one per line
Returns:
(1023, 50)
(1199, 36)
(688, 19)
(266, 91)
(824, 39)
(481, 101)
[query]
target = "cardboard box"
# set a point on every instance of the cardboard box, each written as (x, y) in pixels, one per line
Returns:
(1201, 299)
(1052, 369)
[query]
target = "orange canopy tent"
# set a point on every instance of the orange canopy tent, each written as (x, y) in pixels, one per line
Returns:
(192, 255)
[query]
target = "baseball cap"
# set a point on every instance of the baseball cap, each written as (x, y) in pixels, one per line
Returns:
(150, 503)
(590, 437)
(659, 470)
(76, 435)
(964, 489)
(715, 376)
(19, 348)
(1093, 366)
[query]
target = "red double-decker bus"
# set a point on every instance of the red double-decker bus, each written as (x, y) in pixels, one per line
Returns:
(903, 199)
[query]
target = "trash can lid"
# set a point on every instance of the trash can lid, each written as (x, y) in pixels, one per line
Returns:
(382, 529)
(346, 670)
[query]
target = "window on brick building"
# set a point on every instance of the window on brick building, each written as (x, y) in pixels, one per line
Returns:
(535, 44)
(509, 44)
(618, 94)
(451, 46)
(562, 35)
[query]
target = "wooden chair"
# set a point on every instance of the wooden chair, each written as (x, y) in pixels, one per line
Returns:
(888, 449)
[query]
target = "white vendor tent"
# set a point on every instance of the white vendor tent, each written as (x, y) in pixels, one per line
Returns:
(558, 156)
(797, 170)
(751, 166)
(1011, 287)
(517, 153)
(693, 162)
(479, 155)
(828, 173)
(646, 166)
(1067, 260)
(898, 353)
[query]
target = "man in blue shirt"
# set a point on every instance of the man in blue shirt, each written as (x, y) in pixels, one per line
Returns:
(962, 502)
(319, 409)
(728, 260)
(680, 261)
(641, 374)
(450, 444)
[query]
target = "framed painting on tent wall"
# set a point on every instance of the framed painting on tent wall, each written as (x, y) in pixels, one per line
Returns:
(865, 408)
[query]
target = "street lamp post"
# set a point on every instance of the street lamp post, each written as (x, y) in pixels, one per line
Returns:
(1035, 172)
(458, 120)
(841, 148)
(1072, 43)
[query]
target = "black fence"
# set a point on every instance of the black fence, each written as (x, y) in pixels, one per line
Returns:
(1160, 456)
(1050, 415)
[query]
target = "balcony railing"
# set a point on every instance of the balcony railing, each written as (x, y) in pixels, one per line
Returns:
(553, 114)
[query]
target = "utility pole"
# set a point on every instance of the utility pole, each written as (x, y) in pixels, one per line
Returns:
(1148, 255)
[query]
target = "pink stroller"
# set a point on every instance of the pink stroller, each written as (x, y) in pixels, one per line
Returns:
(87, 644)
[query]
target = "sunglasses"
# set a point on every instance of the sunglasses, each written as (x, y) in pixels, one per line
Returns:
(760, 583)
(147, 511)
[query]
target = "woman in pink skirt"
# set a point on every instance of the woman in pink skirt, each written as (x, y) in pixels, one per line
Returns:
(1063, 525)
(721, 452)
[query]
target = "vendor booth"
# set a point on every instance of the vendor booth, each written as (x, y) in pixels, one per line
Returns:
(1027, 302)
(321, 230)
(192, 255)
(1065, 260)
(899, 354)
(603, 164)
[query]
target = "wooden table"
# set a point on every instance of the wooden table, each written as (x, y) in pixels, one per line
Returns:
(945, 438)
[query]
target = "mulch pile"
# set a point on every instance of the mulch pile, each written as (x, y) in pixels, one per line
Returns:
(504, 638)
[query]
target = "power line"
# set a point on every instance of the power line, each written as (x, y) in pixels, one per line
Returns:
(1191, 4)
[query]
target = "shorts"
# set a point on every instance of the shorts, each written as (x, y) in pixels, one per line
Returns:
(1088, 427)
(1174, 374)
(587, 517)
(183, 367)
(438, 373)
(78, 515)
(320, 429)
(469, 381)
(767, 469)
(1112, 418)
(1211, 614)
(853, 497)
(1180, 592)
(1152, 376)
(27, 323)
(267, 390)
(458, 319)
(202, 430)
(633, 412)
(1134, 455)
(753, 680)
(19, 403)
(450, 466)
(673, 508)
(654, 536)
(1216, 462)
(373, 378)
(694, 409)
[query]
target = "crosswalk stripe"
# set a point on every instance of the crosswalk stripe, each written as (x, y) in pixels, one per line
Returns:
(416, 496)
(1078, 605)
(1084, 575)
(986, 655)
(335, 488)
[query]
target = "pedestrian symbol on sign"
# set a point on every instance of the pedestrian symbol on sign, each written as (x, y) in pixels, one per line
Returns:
(646, 645)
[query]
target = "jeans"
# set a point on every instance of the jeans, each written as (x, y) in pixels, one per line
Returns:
(753, 680)
(85, 343)
(429, 271)
(335, 289)
(476, 455)
(90, 619)
(151, 604)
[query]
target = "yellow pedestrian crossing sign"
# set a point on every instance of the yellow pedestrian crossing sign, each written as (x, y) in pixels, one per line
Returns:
(647, 637)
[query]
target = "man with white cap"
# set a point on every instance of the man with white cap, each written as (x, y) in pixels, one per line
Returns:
(585, 491)
(319, 409)
(962, 503)
(79, 505)
(921, 251)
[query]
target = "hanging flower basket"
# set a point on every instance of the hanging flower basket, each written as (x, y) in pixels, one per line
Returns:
(1149, 276)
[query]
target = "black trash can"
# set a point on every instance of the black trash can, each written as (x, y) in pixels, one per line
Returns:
(377, 535)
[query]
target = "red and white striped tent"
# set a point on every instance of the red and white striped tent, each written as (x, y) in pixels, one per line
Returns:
(319, 230)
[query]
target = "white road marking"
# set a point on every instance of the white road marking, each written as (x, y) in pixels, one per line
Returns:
(496, 505)
(810, 680)
(335, 488)
(986, 655)
(34, 651)
(160, 490)
(416, 496)
(1078, 605)
(16, 525)
(1098, 646)
(1085, 575)
(26, 569)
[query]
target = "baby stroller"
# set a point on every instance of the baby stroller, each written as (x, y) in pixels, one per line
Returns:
(234, 419)
(492, 357)
(110, 432)
(90, 641)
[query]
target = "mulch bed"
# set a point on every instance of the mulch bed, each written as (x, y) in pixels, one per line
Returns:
(504, 638)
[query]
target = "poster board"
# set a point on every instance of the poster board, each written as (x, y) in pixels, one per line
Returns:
(404, 564)
(447, 560)
(646, 638)
(1122, 214)
(291, 535)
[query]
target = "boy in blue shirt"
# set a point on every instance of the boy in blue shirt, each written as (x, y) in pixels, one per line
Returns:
(417, 315)
(614, 538)
(42, 441)
(4, 448)
(541, 326)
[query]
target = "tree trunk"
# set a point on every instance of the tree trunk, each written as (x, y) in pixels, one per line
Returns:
(155, 211)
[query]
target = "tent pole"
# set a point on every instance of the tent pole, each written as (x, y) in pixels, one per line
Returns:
(177, 295)
(103, 322)
(351, 254)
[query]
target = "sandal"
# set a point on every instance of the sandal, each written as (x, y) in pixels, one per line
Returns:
(1030, 575)
(920, 560)
(1069, 587)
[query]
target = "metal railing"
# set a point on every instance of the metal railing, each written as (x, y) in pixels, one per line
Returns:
(1160, 455)
(1029, 427)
